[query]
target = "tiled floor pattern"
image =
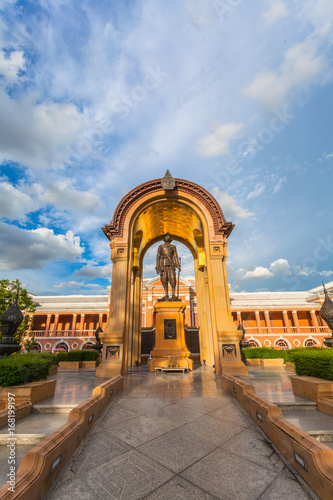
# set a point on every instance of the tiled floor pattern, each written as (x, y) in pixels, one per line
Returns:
(272, 383)
(173, 437)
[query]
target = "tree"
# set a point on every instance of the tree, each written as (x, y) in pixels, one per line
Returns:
(8, 291)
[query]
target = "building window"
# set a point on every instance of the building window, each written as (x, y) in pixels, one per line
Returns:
(88, 345)
(36, 347)
(310, 342)
(61, 345)
(253, 343)
(283, 343)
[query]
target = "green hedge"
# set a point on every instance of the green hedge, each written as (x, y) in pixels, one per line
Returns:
(75, 356)
(315, 363)
(262, 352)
(84, 355)
(61, 356)
(269, 353)
(311, 361)
(89, 355)
(21, 369)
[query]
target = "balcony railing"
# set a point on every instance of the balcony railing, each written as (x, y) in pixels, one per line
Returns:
(63, 333)
(281, 330)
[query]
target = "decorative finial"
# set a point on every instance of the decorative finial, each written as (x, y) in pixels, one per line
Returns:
(168, 182)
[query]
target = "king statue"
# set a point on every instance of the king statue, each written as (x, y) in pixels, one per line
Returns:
(166, 263)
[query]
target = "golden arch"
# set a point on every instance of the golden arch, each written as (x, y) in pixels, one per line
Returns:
(192, 216)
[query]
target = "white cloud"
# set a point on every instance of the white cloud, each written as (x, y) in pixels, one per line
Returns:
(328, 156)
(257, 273)
(36, 134)
(326, 273)
(14, 204)
(279, 184)
(301, 66)
(31, 249)
(70, 284)
(280, 266)
(92, 271)
(217, 143)
(320, 15)
(277, 10)
(229, 206)
(257, 191)
(11, 65)
(63, 196)
(277, 267)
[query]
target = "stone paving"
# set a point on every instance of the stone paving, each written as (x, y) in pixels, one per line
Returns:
(72, 388)
(177, 436)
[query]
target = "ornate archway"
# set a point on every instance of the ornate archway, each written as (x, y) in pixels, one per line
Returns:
(192, 216)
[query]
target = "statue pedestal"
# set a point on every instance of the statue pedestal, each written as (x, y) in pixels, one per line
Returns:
(170, 346)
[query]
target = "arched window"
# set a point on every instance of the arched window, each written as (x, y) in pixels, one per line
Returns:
(87, 345)
(36, 347)
(253, 343)
(310, 342)
(283, 343)
(61, 345)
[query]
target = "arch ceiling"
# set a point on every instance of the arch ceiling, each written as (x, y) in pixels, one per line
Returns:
(183, 188)
(160, 217)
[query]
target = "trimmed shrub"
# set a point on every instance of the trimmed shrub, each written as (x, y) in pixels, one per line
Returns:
(61, 356)
(75, 356)
(269, 353)
(89, 355)
(262, 352)
(315, 363)
(311, 361)
(21, 369)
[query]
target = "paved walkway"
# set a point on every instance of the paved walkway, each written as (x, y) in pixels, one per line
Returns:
(172, 437)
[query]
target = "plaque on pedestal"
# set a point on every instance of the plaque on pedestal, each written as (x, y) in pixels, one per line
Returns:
(170, 346)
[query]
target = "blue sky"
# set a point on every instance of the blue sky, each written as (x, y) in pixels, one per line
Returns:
(97, 97)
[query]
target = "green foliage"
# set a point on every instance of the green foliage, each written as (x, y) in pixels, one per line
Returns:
(60, 356)
(21, 369)
(269, 353)
(262, 352)
(84, 355)
(89, 355)
(8, 290)
(75, 356)
(315, 363)
(310, 361)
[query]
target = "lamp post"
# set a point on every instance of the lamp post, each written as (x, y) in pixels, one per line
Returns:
(10, 321)
(326, 312)
(98, 346)
(243, 344)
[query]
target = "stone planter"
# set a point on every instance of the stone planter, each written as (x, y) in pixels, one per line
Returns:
(317, 389)
(312, 387)
(69, 365)
(76, 365)
(53, 370)
(290, 367)
(30, 393)
(88, 364)
(265, 362)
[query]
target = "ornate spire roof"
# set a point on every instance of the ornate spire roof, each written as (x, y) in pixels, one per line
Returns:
(168, 182)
